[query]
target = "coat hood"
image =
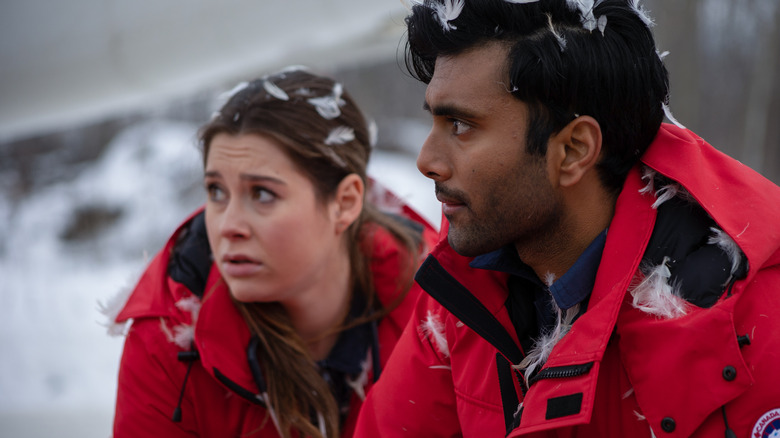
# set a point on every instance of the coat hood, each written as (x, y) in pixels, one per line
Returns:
(719, 185)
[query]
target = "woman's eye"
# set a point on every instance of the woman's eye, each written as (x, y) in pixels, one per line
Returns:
(459, 127)
(215, 193)
(262, 195)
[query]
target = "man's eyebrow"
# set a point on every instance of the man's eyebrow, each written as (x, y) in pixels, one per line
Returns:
(447, 110)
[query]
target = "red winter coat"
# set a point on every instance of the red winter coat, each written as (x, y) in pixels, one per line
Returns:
(619, 372)
(220, 397)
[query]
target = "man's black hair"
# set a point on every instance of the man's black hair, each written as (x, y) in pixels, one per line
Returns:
(560, 68)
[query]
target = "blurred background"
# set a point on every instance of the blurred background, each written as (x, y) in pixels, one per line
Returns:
(100, 101)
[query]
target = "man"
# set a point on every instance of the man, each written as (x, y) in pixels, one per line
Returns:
(603, 274)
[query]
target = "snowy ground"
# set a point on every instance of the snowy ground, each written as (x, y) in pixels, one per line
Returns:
(57, 365)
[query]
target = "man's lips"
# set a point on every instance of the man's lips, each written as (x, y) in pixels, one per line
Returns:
(449, 209)
(450, 202)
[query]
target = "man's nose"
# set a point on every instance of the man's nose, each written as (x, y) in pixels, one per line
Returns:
(432, 160)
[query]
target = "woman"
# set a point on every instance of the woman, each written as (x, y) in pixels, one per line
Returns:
(272, 311)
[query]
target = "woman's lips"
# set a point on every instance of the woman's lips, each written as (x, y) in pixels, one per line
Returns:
(239, 265)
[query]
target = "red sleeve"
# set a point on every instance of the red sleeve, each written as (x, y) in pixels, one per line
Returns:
(150, 381)
(414, 395)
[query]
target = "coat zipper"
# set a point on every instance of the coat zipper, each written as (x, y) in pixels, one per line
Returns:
(561, 372)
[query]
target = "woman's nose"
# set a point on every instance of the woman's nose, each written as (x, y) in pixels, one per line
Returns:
(234, 223)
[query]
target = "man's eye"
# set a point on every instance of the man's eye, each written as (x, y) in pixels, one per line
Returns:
(459, 127)
(262, 195)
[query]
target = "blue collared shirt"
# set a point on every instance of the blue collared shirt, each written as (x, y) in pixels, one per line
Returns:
(571, 288)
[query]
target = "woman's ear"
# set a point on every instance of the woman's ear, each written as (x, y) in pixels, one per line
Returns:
(576, 150)
(348, 201)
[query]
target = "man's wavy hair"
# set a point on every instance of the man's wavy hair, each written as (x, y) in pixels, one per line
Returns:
(560, 69)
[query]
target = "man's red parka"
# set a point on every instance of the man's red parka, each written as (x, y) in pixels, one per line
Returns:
(619, 372)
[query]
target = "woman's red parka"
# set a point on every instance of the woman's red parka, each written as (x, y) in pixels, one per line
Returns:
(220, 397)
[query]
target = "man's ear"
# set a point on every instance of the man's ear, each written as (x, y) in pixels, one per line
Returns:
(574, 151)
(348, 201)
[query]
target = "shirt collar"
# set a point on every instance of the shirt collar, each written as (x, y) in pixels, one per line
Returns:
(571, 288)
(351, 348)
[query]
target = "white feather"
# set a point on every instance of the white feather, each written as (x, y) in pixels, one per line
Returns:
(358, 384)
(321, 422)
(549, 279)
(589, 20)
(585, 8)
(640, 11)
(303, 91)
(655, 296)
(271, 411)
(575, 4)
(340, 135)
(114, 305)
(448, 10)
(166, 331)
(440, 367)
(111, 308)
(543, 346)
(518, 412)
(664, 194)
(224, 97)
(338, 89)
(662, 55)
(373, 133)
(190, 304)
(602, 23)
(433, 330)
(183, 336)
(293, 68)
(648, 175)
(728, 245)
(275, 91)
(334, 157)
(409, 4)
(329, 106)
(561, 40)
(668, 113)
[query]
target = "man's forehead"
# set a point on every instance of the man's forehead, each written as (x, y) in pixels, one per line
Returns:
(476, 74)
(486, 60)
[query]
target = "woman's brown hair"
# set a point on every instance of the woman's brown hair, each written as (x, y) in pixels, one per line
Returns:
(324, 133)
